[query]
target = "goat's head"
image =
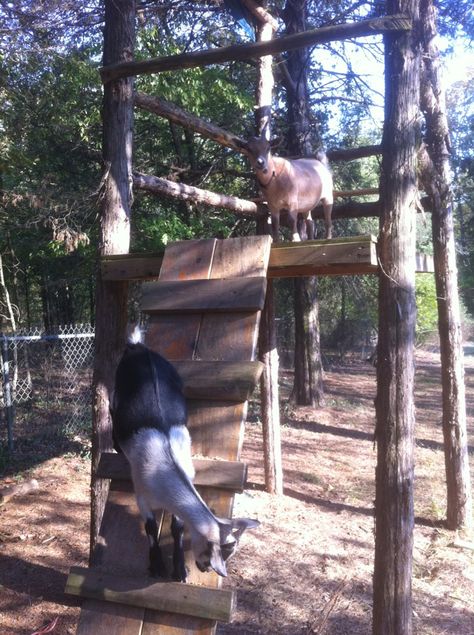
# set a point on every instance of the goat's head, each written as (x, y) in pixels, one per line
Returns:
(212, 556)
(259, 153)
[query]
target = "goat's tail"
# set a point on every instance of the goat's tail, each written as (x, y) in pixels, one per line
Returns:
(135, 335)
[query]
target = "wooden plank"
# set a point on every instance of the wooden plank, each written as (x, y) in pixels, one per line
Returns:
(175, 336)
(104, 617)
(175, 597)
(131, 266)
(312, 254)
(249, 50)
(219, 380)
(229, 475)
(122, 549)
(198, 296)
(287, 263)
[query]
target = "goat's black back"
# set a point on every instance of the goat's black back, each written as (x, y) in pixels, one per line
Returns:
(148, 393)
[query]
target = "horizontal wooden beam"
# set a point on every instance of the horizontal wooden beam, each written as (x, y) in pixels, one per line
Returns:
(164, 187)
(175, 597)
(228, 475)
(202, 296)
(218, 380)
(240, 52)
(350, 154)
(142, 267)
(178, 115)
(323, 257)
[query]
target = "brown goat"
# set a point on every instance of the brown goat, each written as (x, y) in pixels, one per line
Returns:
(292, 186)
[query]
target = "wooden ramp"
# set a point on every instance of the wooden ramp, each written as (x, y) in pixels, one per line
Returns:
(204, 314)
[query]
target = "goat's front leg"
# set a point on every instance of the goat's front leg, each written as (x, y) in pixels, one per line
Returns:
(293, 221)
(157, 565)
(310, 228)
(327, 209)
(179, 568)
(275, 227)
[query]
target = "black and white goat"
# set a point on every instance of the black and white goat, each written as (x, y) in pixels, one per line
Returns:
(149, 425)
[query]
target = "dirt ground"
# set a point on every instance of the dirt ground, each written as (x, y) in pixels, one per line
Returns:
(308, 567)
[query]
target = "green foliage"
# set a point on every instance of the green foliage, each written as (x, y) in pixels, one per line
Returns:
(426, 306)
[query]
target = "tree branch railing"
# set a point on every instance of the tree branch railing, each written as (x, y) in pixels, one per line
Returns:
(240, 52)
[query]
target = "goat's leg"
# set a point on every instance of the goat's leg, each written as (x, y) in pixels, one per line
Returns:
(179, 568)
(293, 221)
(275, 227)
(310, 228)
(157, 565)
(327, 209)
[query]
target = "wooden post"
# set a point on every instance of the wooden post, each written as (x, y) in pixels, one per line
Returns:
(437, 183)
(267, 345)
(111, 297)
(394, 516)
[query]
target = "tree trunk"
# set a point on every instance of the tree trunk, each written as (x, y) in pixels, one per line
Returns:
(394, 515)
(308, 388)
(111, 297)
(267, 341)
(437, 183)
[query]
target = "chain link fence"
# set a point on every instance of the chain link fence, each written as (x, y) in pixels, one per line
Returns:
(46, 381)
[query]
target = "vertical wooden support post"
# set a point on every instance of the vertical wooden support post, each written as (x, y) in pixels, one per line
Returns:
(437, 183)
(394, 521)
(111, 297)
(268, 354)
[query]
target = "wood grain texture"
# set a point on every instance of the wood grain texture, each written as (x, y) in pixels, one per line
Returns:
(229, 475)
(175, 597)
(198, 296)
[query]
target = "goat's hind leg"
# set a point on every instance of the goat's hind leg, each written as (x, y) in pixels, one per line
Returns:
(179, 567)
(157, 566)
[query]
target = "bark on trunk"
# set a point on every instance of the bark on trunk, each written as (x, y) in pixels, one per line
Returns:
(394, 516)
(111, 297)
(308, 388)
(267, 342)
(437, 182)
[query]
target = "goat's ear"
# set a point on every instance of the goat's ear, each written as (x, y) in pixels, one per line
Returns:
(216, 560)
(239, 525)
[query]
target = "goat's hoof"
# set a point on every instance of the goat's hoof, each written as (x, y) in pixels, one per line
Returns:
(180, 575)
(157, 570)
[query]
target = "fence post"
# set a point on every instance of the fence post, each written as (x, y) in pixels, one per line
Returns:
(7, 391)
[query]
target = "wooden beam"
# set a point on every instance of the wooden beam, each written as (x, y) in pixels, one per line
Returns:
(201, 296)
(328, 257)
(177, 115)
(372, 26)
(175, 597)
(217, 473)
(368, 191)
(218, 380)
(143, 267)
(349, 154)
(163, 187)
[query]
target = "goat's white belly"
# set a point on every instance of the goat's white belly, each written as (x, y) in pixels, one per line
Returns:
(155, 461)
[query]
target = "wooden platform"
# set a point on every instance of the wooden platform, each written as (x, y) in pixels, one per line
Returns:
(353, 255)
(204, 313)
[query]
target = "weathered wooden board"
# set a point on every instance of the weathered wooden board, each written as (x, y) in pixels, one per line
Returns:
(199, 296)
(138, 267)
(219, 380)
(122, 549)
(352, 254)
(229, 475)
(216, 425)
(305, 258)
(175, 597)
